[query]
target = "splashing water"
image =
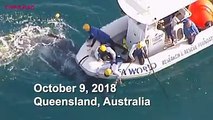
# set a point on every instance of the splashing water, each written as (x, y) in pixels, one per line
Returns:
(24, 41)
(50, 42)
(14, 45)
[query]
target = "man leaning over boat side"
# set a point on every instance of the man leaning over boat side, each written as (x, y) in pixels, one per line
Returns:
(190, 30)
(138, 50)
(105, 52)
(110, 68)
(102, 37)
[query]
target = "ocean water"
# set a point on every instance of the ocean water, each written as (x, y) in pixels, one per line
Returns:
(188, 84)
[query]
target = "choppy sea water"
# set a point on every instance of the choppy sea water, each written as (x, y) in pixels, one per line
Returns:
(188, 84)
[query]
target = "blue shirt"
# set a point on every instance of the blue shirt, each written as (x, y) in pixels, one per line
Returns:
(99, 35)
(190, 31)
(138, 52)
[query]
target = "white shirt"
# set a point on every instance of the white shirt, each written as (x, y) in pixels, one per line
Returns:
(114, 67)
(109, 49)
(134, 47)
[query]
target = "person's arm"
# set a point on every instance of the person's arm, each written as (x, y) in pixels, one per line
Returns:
(91, 34)
(132, 51)
(93, 42)
(90, 37)
(97, 55)
(116, 72)
(112, 52)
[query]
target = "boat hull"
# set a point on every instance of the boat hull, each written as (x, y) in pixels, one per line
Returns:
(159, 61)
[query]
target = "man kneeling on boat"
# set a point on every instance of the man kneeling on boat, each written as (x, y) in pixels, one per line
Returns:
(102, 37)
(104, 52)
(138, 50)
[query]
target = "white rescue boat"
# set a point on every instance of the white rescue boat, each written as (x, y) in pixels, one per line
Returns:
(141, 23)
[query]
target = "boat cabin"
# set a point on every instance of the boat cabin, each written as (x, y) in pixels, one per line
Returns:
(145, 22)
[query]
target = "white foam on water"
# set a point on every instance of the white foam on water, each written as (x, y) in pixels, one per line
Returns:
(22, 42)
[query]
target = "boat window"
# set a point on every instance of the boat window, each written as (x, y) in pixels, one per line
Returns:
(183, 14)
(160, 25)
(180, 16)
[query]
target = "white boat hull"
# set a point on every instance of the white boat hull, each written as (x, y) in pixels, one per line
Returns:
(159, 61)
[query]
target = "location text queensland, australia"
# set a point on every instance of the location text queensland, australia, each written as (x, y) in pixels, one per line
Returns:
(85, 100)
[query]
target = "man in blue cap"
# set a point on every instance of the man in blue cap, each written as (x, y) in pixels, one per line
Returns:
(97, 34)
(190, 30)
(102, 37)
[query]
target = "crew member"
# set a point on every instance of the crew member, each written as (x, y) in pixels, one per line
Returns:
(138, 50)
(110, 68)
(102, 37)
(169, 27)
(104, 52)
(190, 30)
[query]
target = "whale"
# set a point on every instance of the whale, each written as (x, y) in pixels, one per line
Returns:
(60, 55)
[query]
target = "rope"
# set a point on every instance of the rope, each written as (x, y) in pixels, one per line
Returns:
(156, 78)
